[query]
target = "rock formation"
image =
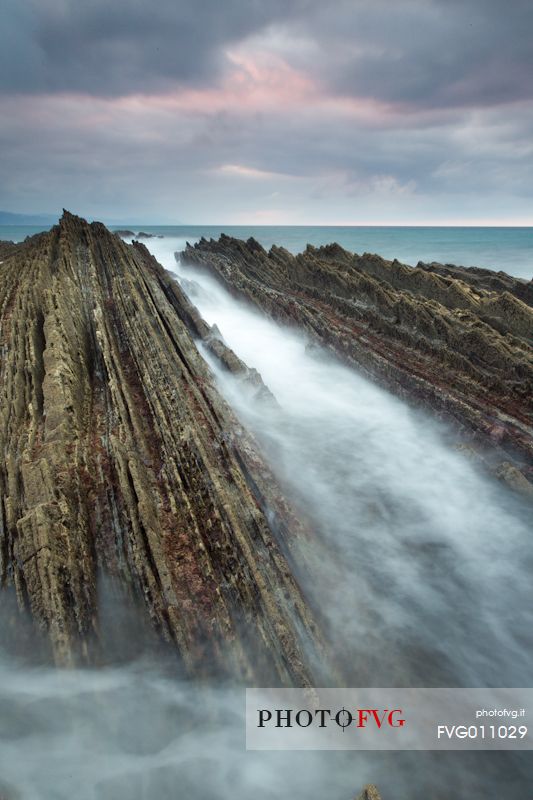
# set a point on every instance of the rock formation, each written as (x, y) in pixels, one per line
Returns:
(455, 341)
(7, 249)
(121, 459)
(369, 793)
(125, 233)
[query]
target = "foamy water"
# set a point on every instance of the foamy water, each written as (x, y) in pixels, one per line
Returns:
(138, 733)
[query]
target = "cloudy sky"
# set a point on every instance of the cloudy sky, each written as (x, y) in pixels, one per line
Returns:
(269, 111)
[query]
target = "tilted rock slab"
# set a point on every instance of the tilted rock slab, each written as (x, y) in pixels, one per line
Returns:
(120, 457)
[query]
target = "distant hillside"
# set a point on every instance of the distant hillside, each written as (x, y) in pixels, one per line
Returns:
(8, 218)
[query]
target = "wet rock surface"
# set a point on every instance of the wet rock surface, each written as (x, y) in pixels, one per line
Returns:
(125, 233)
(369, 793)
(120, 458)
(456, 341)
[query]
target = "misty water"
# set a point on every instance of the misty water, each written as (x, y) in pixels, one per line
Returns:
(422, 565)
(419, 569)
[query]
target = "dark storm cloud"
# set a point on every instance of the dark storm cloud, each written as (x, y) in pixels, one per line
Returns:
(124, 46)
(425, 53)
(420, 53)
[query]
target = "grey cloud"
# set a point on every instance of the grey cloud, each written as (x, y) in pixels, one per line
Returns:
(426, 53)
(421, 53)
(450, 145)
(459, 155)
(108, 48)
(330, 169)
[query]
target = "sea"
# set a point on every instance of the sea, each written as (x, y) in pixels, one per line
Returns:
(507, 249)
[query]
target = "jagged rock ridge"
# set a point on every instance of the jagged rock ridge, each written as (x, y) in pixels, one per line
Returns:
(456, 341)
(120, 456)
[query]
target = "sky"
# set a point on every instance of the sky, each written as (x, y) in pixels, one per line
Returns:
(345, 112)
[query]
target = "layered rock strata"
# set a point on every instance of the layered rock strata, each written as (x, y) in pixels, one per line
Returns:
(120, 458)
(453, 340)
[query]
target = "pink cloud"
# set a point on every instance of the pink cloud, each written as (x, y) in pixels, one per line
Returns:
(242, 171)
(259, 82)
(253, 83)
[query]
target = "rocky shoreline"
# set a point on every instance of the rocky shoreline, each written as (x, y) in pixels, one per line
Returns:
(121, 458)
(452, 340)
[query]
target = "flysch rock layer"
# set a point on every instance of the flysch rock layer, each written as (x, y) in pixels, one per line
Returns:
(453, 340)
(120, 458)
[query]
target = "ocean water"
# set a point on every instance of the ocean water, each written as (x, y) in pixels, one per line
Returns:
(507, 249)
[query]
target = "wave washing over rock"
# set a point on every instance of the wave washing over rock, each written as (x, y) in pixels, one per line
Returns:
(456, 341)
(138, 508)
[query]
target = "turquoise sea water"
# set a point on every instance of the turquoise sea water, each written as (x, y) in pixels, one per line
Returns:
(507, 249)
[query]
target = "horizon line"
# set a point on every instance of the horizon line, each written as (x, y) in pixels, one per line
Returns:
(181, 224)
